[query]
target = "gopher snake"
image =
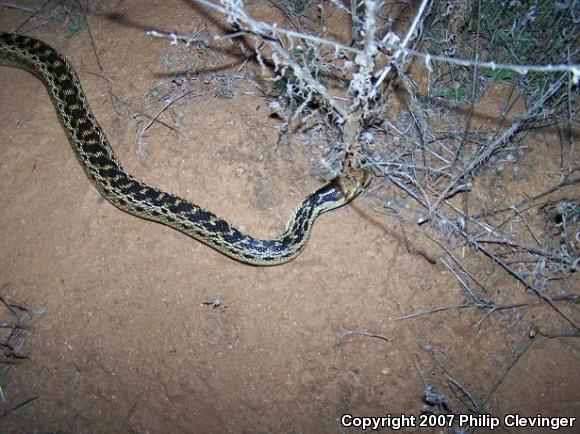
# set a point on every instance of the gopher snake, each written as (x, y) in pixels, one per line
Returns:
(130, 195)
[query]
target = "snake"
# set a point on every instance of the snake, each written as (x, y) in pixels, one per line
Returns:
(129, 194)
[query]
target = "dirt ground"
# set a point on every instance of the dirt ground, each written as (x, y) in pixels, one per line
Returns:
(127, 341)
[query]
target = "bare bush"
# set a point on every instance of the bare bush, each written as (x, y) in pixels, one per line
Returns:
(422, 141)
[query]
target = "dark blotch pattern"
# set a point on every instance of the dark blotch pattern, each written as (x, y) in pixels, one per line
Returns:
(182, 207)
(103, 168)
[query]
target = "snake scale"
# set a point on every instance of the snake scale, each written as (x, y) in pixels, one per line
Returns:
(134, 197)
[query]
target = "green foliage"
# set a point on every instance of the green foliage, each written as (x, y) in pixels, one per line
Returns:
(458, 93)
(279, 85)
(74, 28)
(528, 31)
(518, 32)
(297, 6)
(498, 74)
(303, 58)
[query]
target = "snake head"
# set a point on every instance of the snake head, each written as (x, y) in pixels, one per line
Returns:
(352, 182)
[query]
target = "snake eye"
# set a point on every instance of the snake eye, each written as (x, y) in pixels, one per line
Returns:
(353, 181)
(124, 191)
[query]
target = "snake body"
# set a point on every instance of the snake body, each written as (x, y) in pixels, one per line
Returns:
(135, 197)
